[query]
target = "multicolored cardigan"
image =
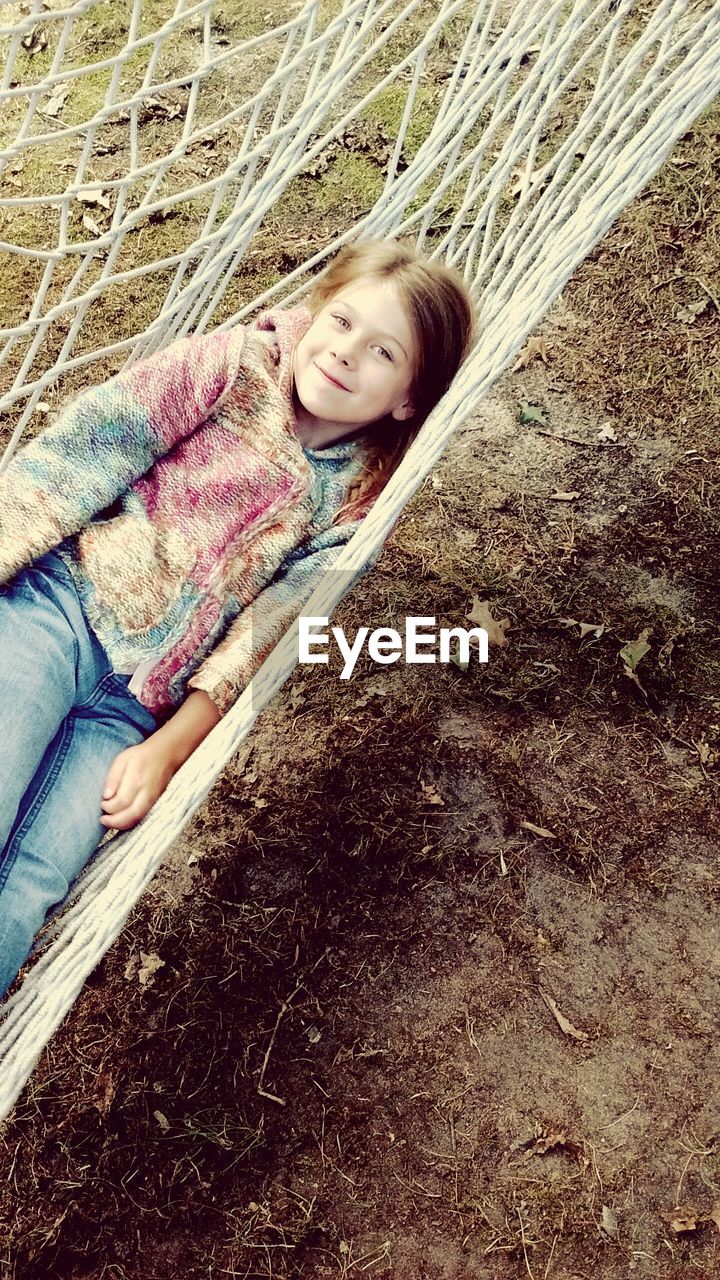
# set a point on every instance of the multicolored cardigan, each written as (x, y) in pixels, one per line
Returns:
(192, 519)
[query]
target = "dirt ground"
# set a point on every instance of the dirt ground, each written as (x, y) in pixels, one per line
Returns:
(429, 988)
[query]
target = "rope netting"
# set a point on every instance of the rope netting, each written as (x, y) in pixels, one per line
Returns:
(199, 168)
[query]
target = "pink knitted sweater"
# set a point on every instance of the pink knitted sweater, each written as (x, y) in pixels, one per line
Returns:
(191, 517)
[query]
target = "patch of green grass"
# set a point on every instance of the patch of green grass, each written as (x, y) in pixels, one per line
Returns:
(403, 41)
(101, 32)
(247, 283)
(29, 68)
(352, 183)
(387, 110)
(154, 14)
(86, 97)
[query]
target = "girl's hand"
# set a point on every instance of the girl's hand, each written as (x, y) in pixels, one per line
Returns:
(137, 776)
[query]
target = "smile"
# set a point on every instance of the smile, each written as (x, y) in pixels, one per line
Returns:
(333, 381)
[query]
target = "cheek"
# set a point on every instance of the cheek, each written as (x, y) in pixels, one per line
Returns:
(397, 382)
(303, 352)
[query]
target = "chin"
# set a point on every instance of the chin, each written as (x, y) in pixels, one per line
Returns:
(314, 405)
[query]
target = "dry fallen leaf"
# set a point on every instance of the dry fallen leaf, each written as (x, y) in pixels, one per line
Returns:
(683, 1218)
(56, 102)
(91, 225)
(545, 1140)
(687, 315)
(586, 628)
(536, 176)
(431, 793)
(564, 1024)
(538, 831)
(94, 195)
(482, 617)
(534, 348)
(532, 413)
(561, 496)
(634, 650)
(34, 42)
(162, 1120)
(149, 965)
(607, 432)
(609, 1222)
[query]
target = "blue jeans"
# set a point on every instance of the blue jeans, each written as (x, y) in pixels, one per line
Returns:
(64, 716)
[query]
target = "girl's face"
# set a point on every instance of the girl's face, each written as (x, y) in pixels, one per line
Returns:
(354, 364)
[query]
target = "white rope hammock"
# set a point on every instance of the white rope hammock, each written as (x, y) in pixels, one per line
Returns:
(548, 123)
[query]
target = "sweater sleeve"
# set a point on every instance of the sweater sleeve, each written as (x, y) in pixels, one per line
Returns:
(232, 664)
(106, 439)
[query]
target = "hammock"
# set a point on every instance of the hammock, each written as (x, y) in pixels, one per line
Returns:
(513, 136)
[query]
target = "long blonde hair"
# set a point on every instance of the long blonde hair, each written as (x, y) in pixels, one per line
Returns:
(440, 311)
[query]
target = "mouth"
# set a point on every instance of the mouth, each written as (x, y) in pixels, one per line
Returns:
(333, 381)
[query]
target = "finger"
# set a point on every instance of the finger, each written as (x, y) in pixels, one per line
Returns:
(126, 791)
(118, 824)
(125, 818)
(126, 777)
(123, 797)
(114, 775)
(120, 800)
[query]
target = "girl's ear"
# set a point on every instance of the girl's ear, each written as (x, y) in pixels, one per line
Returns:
(403, 411)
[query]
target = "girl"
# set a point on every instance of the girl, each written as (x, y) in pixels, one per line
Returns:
(159, 538)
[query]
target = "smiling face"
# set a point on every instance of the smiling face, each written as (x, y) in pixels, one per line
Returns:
(355, 364)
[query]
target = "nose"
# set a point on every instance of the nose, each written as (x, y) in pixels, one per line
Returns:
(343, 347)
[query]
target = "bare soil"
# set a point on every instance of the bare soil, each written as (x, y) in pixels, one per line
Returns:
(440, 965)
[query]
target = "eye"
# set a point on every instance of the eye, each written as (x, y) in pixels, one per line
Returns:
(342, 320)
(383, 351)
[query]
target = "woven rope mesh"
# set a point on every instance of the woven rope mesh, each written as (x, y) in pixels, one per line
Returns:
(165, 169)
(155, 159)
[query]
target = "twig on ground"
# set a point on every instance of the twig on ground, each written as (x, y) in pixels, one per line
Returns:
(281, 1013)
(591, 444)
(522, 1235)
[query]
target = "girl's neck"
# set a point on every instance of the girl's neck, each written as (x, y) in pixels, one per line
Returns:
(314, 433)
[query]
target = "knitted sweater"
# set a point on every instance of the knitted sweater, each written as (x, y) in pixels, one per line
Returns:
(192, 519)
